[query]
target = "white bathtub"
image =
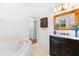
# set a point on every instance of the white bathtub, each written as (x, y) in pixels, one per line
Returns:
(16, 48)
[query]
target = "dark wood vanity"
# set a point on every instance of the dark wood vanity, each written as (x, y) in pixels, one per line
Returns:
(60, 46)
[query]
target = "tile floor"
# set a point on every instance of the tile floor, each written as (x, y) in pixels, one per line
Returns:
(40, 50)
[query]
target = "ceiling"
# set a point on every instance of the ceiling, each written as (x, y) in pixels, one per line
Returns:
(20, 11)
(40, 9)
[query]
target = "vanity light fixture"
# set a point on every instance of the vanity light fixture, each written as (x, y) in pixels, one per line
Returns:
(64, 6)
(59, 8)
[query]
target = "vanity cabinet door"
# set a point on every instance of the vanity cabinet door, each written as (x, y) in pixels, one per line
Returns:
(76, 52)
(55, 46)
(68, 47)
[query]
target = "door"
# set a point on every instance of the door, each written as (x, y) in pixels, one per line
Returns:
(33, 30)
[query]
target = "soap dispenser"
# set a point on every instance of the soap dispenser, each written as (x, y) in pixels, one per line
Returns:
(76, 29)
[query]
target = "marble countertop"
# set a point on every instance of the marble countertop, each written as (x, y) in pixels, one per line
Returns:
(63, 36)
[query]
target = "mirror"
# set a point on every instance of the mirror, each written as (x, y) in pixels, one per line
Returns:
(67, 20)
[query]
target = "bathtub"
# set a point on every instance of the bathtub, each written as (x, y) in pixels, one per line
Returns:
(16, 48)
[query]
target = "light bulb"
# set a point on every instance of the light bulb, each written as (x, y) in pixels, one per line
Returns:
(55, 10)
(72, 5)
(65, 6)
